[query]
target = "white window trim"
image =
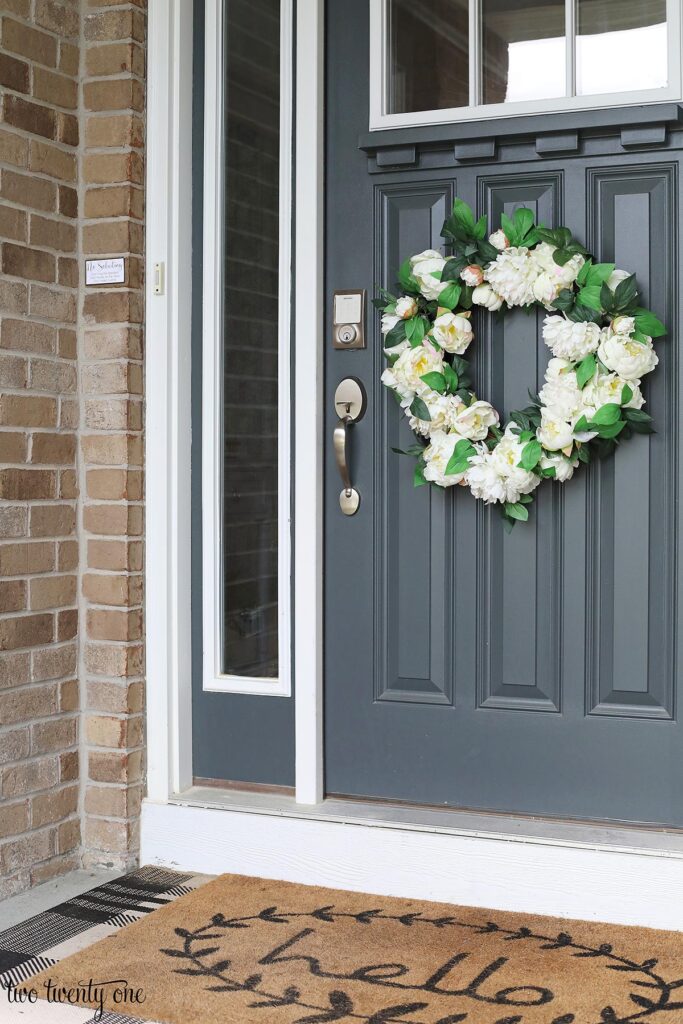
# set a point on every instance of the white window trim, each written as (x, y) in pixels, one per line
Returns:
(214, 254)
(379, 56)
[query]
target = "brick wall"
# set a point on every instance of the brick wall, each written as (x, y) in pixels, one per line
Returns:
(110, 355)
(71, 173)
(39, 699)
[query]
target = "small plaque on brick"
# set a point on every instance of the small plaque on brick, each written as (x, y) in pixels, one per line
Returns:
(111, 271)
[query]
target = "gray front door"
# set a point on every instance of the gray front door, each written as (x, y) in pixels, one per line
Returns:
(536, 672)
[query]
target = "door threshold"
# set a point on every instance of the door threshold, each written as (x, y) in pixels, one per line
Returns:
(625, 838)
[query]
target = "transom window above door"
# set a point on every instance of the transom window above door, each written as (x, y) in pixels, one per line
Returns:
(450, 60)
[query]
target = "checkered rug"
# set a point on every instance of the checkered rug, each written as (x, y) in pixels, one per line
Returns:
(44, 940)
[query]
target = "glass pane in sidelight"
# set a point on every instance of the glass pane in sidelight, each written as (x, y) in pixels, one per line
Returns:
(429, 55)
(524, 51)
(250, 338)
(621, 46)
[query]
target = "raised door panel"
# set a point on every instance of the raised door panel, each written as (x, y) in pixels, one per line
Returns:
(631, 498)
(414, 562)
(519, 576)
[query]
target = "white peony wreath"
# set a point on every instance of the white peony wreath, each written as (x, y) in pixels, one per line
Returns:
(600, 339)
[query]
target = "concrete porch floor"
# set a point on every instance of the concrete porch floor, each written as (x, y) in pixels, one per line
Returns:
(27, 904)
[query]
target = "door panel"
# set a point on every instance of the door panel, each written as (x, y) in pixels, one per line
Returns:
(535, 672)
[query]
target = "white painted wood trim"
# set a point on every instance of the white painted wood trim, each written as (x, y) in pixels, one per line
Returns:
(212, 377)
(168, 413)
(564, 879)
(308, 392)
(379, 67)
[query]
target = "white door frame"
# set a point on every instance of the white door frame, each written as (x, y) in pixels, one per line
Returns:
(494, 861)
(168, 412)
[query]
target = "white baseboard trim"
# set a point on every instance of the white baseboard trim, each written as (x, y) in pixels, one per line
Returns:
(584, 881)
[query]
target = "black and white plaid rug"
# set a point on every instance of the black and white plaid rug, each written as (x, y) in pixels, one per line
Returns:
(44, 940)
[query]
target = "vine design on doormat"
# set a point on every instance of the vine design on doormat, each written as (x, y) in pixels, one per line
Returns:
(656, 995)
(599, 336)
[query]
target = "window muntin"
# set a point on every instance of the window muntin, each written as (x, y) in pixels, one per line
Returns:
(521, 57)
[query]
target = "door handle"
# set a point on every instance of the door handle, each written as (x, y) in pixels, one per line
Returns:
(349, 404)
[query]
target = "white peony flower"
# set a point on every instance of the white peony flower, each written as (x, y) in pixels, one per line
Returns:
(557, 367)
(485, 296)
(413, 363)
(443, 409)
(512, 275)
(561, 394)
(616, 277)
(624, 325)
(474, 420)
(437, 456)
(554, 433)
(630, 359)
(390, 380)
(486, 480)
(389, 321)
(543, 259)
(564, 467)
(453, 332)
(607, 389)
(569, 340)
(423, 267)
(472, 275)
(499, 240)
(496, 477)
(546, 289)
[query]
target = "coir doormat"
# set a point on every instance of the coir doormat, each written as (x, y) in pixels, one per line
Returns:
(249, 951)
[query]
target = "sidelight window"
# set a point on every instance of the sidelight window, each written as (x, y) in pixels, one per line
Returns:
(246, 355)
(447, 60)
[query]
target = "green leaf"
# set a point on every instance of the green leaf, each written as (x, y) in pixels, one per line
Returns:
(564, 301)
(508, 227)
(606, 414)
(581, 426)
(464, 216)
(626, 292)
(480, 227)
(582, 276)
(648, 323)
(626, 394)
(637, 416)
(450, 295)
(599, 273)
(524, 221)
(590, 296)
(406, 279)
(435, 380)
(531, 454)
(451, 377)
(396, 335)
(460, 459)
(607, 300)
(419, 409)
(585, 370)
(487, 251)
(562, 256)
(419, 475)
(610, 430)
(452, 268)
(515, 510)
(549, 472)
(416, 328)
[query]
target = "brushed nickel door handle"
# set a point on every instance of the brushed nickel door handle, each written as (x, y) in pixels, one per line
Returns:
(349, 404)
